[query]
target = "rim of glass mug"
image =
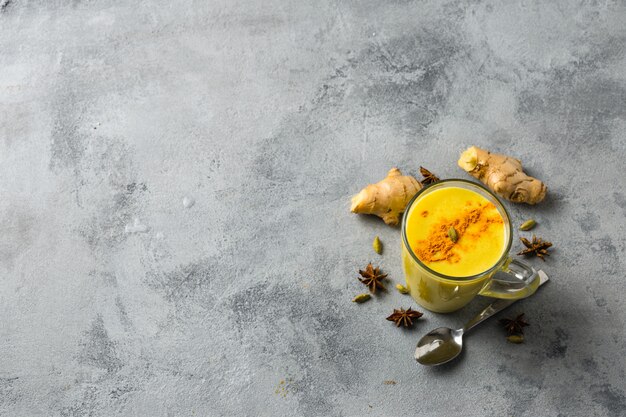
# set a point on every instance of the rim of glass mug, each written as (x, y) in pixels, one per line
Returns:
(490, 196)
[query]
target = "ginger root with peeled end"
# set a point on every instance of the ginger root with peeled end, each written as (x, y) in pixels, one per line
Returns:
(503, 175)
(387, 198)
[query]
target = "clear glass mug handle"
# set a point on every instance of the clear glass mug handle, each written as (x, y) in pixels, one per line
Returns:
(513, 281)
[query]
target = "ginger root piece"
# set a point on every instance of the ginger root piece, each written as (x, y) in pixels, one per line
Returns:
(503, 175)
(387, 198)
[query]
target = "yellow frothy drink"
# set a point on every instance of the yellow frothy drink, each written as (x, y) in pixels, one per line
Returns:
(474, 220)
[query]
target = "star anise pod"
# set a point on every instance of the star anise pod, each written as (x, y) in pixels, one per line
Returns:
(537, 246)
(514, 326)
(372, 277)
(429, 177)
(404, 317)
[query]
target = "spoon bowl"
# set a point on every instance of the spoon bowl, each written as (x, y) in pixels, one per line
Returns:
(439, 346)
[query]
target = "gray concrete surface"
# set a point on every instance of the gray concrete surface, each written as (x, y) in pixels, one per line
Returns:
(117, 299)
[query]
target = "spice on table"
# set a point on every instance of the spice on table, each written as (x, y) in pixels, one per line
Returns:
(515, 338)
(503, 174)
(387, 198)
(402, 289)
(372, 278)
(527, 225)
(361, 298)
(402, 316)
(429, 177)
(538, 247)
(514, 326)
(389, 382)
(377, 245)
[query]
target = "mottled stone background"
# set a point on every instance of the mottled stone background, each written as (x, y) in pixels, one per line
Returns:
(117, 299)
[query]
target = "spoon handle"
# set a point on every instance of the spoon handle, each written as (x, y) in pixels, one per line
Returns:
(497, 306)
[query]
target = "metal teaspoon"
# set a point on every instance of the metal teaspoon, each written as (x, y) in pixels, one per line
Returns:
(444, 344)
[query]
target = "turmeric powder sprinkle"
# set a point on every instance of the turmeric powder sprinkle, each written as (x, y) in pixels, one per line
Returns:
(439, 247)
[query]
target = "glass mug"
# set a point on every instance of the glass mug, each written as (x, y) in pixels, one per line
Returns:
(443, 294)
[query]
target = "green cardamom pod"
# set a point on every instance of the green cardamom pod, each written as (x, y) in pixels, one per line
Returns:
(527, 225)
(377, 245)
(361, 298)
(402, 289)
(515, 338)
(452, 234)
